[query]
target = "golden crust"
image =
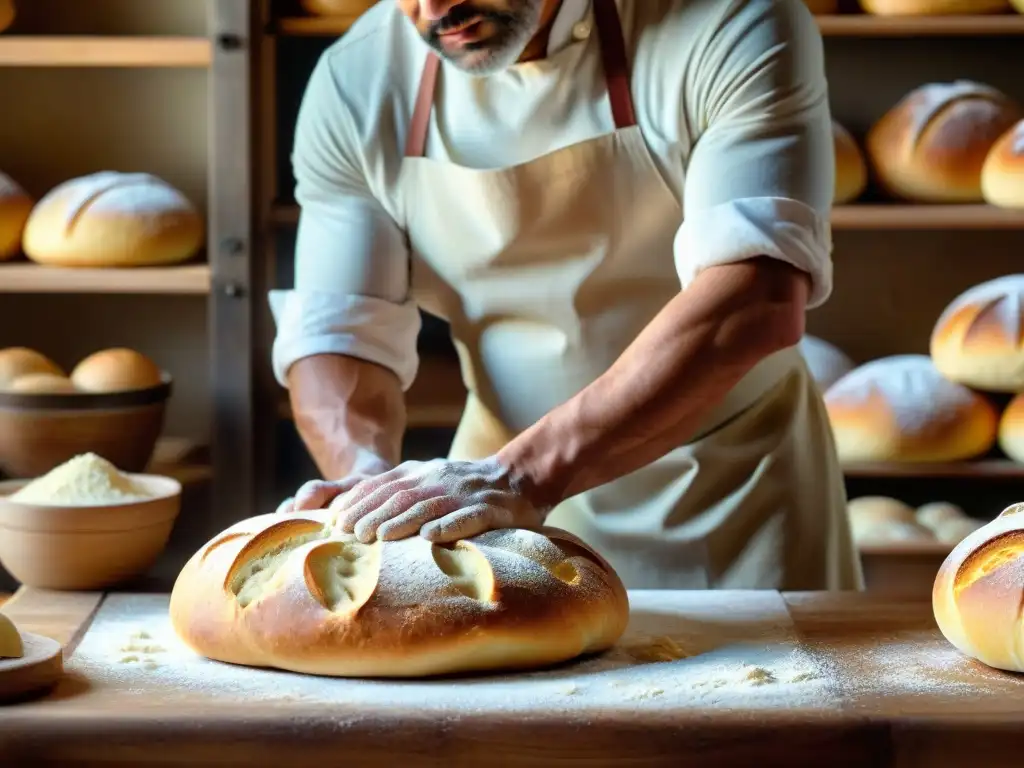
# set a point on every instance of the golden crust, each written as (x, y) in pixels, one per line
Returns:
(294, 593)
(932, 7)
(851, 167)
(931, 146)
(1002, 176)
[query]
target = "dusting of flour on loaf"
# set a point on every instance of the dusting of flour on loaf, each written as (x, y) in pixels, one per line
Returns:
(85, 480)
(910, 384)
(1005, 294)
(766, 671)
(931, 99)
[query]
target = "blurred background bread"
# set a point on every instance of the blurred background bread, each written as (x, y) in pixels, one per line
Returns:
(1002, 175)
(112, 219)
(851, 167)
(1011, 429)
(933, 7)
(17, 362)
(977, 340)
(868, 512)
(978, 592)
(955, 531)
(115, 370)
(931, 146)
(15, 207)
(826, 362)
(901, 409)
(936, 513)
(7, 13)
(337, 7)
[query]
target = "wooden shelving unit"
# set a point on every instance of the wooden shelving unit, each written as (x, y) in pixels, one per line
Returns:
(75, 51)
(840, 25)
(990, 469)
(21, 277)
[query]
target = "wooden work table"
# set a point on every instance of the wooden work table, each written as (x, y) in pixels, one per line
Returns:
(804, 679)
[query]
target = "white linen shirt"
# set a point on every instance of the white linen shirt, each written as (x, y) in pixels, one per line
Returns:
(730, 96)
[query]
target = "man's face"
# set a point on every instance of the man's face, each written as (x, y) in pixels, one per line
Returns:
(478, 36)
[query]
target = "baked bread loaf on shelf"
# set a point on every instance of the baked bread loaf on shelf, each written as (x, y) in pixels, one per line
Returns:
(978, 339)
(931, 146)
(7, 14)
(1002, 175)
(851, 167)
(116, 370)
(901, 409)
(826, 362)
(978, 591)
(933, 7)
(337, 7)
(1011, 429)
(871, 516)
(15, 207)
(937, 513)
(112, 219)
(295, 593)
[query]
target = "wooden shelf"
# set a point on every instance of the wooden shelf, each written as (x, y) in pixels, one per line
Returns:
(989, 468)
(840, 25)
(863, 25)
(866, 216)
(75, 51)
(936, 217)
(434, 401)
(907, 549)
(22, 277)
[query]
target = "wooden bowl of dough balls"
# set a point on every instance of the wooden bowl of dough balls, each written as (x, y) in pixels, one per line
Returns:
(112, 403)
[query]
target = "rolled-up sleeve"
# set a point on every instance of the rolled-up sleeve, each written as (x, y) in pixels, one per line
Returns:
(759, 180)
(351, 293)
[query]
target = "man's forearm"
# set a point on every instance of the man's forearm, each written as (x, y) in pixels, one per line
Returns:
(346, 409)
(657, 393)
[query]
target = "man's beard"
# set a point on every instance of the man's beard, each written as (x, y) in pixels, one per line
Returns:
(513, 31)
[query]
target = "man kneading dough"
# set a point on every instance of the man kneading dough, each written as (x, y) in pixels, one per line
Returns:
(621, 207)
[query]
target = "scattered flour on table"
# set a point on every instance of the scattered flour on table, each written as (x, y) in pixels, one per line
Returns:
(132, 647)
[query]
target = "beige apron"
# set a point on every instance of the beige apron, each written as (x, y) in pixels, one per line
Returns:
(546, 272)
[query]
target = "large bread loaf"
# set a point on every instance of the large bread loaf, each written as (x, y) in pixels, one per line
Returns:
(295, 593)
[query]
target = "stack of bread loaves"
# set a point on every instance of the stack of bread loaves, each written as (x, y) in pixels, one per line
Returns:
(881, 520)
(296, 593)
(113, 219)
(25, 371)
(15, 207)
(1002, 176)
(978, 592)
(978, 341)
(932, 145)
(902, 409)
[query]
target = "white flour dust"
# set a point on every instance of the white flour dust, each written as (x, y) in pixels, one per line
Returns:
(740, 662)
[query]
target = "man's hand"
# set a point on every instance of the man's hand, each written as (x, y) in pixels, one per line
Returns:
(320, 494)
(443, 501)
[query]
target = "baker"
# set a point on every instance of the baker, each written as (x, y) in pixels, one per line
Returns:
(622, 209)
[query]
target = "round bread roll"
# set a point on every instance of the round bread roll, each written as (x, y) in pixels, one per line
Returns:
(894, 533)
(116, 370)
(295, 593)
(931, 146)
(113, 220)
(901, 409)
(15, 207)
(826, 362)
(7, 13)
(1002, 175)
(17, 362)
(1011, 430)
(978, 340)
(937, 513)
(337, 7)
(954, 531)
(869, 512)
(932, 7)
(851, 167)
(42, 384)
(978, 592)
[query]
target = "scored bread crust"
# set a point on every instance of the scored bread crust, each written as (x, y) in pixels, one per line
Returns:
(978, 590)
(295, 593)
(112, 219)
(931, 146)
(978, 339)
(1002, 176)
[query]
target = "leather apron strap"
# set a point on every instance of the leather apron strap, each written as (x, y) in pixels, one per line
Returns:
(613, 58)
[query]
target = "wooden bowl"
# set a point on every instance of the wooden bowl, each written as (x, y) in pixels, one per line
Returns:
(60, 547)
(39, 432)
